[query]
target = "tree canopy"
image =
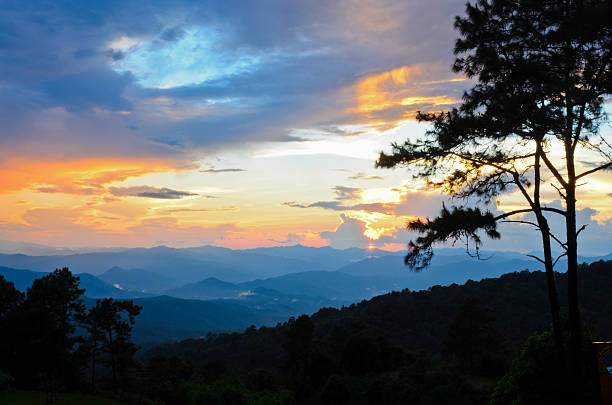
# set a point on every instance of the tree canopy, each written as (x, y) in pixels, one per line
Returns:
(48, 335)
(542, 70)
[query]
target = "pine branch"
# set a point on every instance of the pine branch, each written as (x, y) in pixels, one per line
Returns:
(588, 172)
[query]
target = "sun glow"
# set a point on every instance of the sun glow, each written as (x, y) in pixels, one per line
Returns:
(376, 224)
(381, 195)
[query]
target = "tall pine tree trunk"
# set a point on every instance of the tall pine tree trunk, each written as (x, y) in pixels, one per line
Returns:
(112, 356)
(570, 141)
(553, 298)
(93, 367)
(572, 277)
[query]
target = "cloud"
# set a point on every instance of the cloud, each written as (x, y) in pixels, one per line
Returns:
(363, 176)
(150, 192)
(348, 234)
(381, 224)
(218, 209)
(347, 193)
(330, 205)
(396, 95)
(215, 171)
(336, 130)
(356, 175)
(121, 97)
(78, 177)
(102, 88)
(291, 239)
(68, 226)
(412, 204)
(184, 78)
(80, 227)
(363, 231)
(352, 232)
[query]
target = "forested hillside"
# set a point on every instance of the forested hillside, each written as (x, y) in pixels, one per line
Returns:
(468, 337)
(478, 343)
(419, 320)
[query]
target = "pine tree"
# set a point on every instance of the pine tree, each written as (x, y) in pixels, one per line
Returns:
(110, 324)
(542, 69)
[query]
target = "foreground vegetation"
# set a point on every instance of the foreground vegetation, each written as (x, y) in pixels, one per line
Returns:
(484, 342)
(478, 343)
(37, 398)
(50, 341)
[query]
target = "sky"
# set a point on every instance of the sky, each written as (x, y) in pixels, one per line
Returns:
(231, 123)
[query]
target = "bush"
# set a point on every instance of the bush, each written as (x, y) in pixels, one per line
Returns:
(6, 382)
(535, 377)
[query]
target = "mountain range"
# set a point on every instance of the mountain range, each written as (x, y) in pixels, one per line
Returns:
(189, 292)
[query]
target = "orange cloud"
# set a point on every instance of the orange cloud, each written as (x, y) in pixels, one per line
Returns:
(378, 91)
(82, 176)
(83, 227)
(394, 96)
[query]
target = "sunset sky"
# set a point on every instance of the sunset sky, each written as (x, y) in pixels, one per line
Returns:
(231, 123)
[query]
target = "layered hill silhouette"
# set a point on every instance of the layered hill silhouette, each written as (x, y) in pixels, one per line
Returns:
(229, 282)
(95, 288)
(194, 264)
(137, 280)
(417, 320)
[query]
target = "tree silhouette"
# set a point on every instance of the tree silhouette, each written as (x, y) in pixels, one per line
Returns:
(43, 332)
(110, 324)
(10, 299)
(299, 349)
(542, 69)
(474, 343)
(94, 340)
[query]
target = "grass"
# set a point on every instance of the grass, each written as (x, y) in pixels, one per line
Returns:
(38, 398)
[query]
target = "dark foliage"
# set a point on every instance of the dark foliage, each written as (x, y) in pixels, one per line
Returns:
(454, 225)
(48, 339)
(109, 324)
(533, 377)
(542, 70)
(369, 352)
(40, 333)
(473, 342)
(10, 298)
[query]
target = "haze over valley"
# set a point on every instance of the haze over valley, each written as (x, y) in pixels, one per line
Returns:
(189, 292)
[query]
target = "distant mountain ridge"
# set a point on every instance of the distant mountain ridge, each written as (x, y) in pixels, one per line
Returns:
(188, 292)
(210, 288)
(137, 279)
(265, 301)
(340, 275)
(182, 265)
(95, 288)
(166, 318)
(189, 265)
